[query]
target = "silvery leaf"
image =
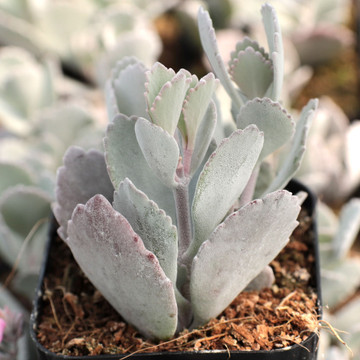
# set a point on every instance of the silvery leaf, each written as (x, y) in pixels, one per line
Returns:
(271, 118)
(209, 44)
(110, 98)
(166, 108)
(252, 72)
(203, 138)
(274, 38)
(151, 223)
(115, 260)
(348, 228)
(195, 106)
(293, 160)
(125, 159)
(245, 43)
(238, 250)
(127, 87)
(160, 150)
(222, 180)
(156, 78)
(82, 176)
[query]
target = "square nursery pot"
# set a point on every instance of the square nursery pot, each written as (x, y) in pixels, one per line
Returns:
(306, 350)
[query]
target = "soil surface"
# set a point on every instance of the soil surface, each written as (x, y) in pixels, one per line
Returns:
(77, 320)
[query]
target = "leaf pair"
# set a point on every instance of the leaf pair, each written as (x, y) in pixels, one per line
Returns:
(256, 73)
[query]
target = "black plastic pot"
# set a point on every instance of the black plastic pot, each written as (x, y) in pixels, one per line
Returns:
(307, 350)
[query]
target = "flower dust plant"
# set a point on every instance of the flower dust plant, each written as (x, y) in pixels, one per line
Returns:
(156, 223)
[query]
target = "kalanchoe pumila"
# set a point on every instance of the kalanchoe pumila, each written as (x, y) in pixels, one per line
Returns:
(161, 233)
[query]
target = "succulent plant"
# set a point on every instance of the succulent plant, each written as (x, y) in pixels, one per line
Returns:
(156, 223)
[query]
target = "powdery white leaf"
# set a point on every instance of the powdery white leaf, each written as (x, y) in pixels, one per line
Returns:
(82, 176)
(222, 181)
(252, 72)
(246, 42)
(209, 44)
(293, 160)
(238, 250)
(271, 118)
(151, 223)
(126, 88)
(203, 138)
(274, 39)
(195, 106)
(349, 227)
(156, 78)
(125, 159)
(115, 260)
(160, 150)
(166, 109)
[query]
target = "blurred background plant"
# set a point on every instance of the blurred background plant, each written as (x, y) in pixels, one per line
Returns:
(55, 58)
(340, 277)
(87, 35)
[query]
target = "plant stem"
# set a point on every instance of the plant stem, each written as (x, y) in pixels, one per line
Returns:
(248, 193)
(181, 196)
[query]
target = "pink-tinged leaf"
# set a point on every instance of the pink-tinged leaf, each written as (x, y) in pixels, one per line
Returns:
(238, 250)
(271, 118)
(116, 261)
(151, 223)
(82, 176)
(125, 159)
